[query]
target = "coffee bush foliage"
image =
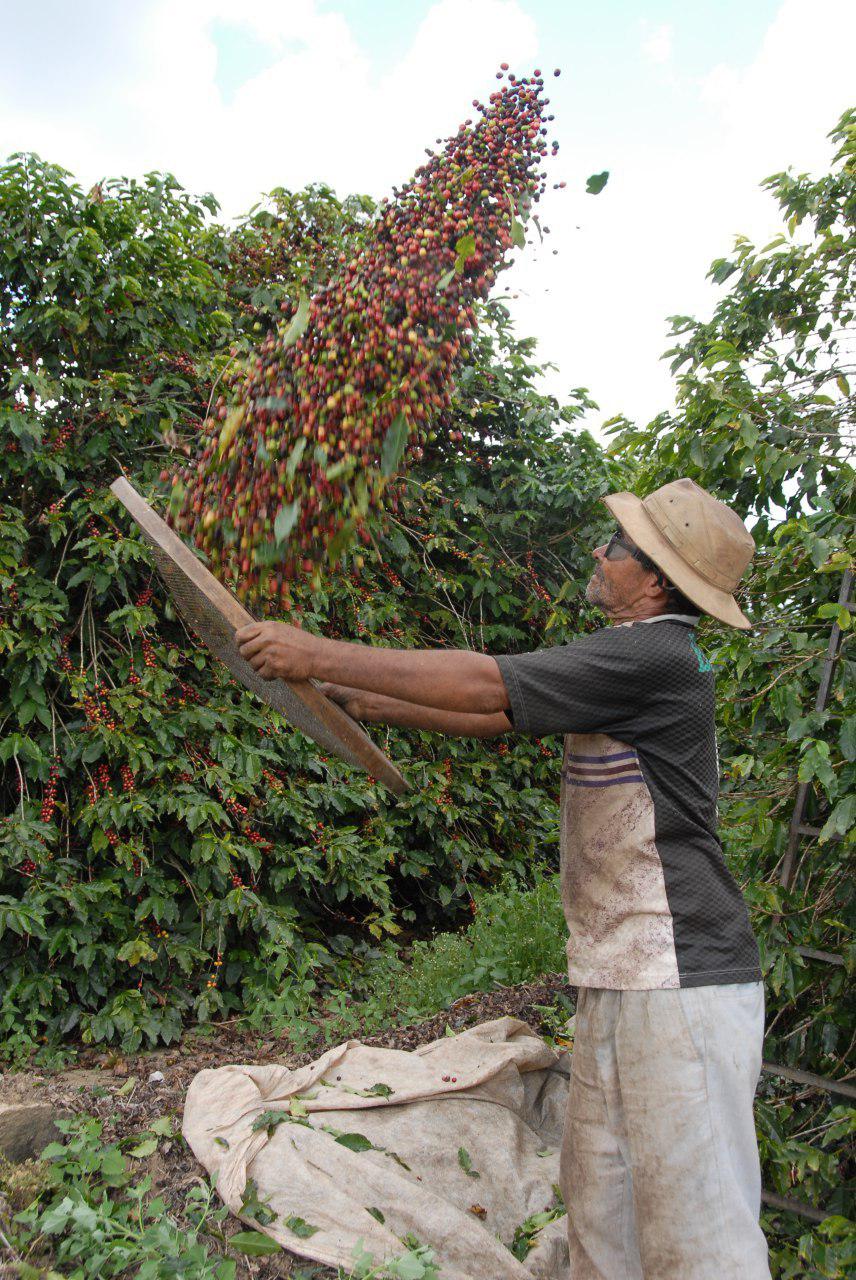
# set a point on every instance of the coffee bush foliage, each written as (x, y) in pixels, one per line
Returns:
(171, 851)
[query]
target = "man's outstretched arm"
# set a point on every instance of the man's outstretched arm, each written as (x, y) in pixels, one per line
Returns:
(376, 708)
(446, 679)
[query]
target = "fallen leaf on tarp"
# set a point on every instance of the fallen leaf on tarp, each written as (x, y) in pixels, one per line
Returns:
(355, 1142)
(300, 1227)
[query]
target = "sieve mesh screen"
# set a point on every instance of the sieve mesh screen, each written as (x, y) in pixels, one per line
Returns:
(215, 613)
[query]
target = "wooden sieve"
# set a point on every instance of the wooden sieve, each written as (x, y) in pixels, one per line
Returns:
(215, 614)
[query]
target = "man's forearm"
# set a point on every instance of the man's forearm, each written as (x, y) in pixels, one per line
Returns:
(378, 709)
(455, 680)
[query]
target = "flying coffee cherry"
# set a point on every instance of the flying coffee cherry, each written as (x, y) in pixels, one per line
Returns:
(302, 450)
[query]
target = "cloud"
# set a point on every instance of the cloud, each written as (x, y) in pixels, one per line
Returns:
(129, 88)
(316, 111)
(657, 47)
(777, 110)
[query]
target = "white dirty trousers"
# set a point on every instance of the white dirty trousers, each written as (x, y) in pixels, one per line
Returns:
(660, 1169)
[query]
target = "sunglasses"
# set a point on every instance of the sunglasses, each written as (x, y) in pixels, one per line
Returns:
(619, 549)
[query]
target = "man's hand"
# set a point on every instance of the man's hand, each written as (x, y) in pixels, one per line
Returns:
(277, 651)
(354, 701)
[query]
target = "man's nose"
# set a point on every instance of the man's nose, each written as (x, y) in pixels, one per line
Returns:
(599, 552)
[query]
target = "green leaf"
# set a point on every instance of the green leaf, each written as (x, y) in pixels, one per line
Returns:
(340, 468)
(339, 541)
(145, 1148)
(413, 1265)
(286, 519)
(299, 1227)
(466, 246)
(269, 1120)
(379, 1091)
(446, 279)
(299, 322)
(253, 1243)
(376, 1213)
(518, 234)
(466, 1163)
(297, 451)
(255, 1208)
(355, 1142)
(135, 950)
(596, 183)
(842, 819)
(227, 435)
(394, 444)
(113, 1165)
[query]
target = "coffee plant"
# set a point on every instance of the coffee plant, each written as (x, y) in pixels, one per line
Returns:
(170, 850)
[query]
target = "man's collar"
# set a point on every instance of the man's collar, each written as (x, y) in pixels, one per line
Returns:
(687, 619)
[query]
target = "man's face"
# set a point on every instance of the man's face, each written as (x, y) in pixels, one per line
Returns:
(619, 582)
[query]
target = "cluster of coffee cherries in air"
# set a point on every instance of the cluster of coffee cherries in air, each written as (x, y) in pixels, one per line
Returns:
(304, 441)
(49, 798)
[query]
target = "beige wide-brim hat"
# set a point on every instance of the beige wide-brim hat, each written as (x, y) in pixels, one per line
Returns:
(701, 545)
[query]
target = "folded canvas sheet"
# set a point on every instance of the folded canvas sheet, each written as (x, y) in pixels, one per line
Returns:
(369, 1144)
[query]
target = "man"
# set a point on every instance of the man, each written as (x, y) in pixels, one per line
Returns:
(660, 1167)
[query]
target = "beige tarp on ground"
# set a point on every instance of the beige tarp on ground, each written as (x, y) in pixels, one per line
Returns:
(491, 1098)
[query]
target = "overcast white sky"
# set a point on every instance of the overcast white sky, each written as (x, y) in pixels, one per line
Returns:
(688, 105)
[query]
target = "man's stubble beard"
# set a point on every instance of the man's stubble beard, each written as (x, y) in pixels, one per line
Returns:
(597, 592)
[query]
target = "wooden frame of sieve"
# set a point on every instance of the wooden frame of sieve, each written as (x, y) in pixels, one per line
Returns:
(215, 614)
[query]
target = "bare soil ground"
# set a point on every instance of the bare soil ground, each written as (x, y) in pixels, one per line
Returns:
(92, 1087)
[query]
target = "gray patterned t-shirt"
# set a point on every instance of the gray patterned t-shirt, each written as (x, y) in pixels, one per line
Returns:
(648, 899)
